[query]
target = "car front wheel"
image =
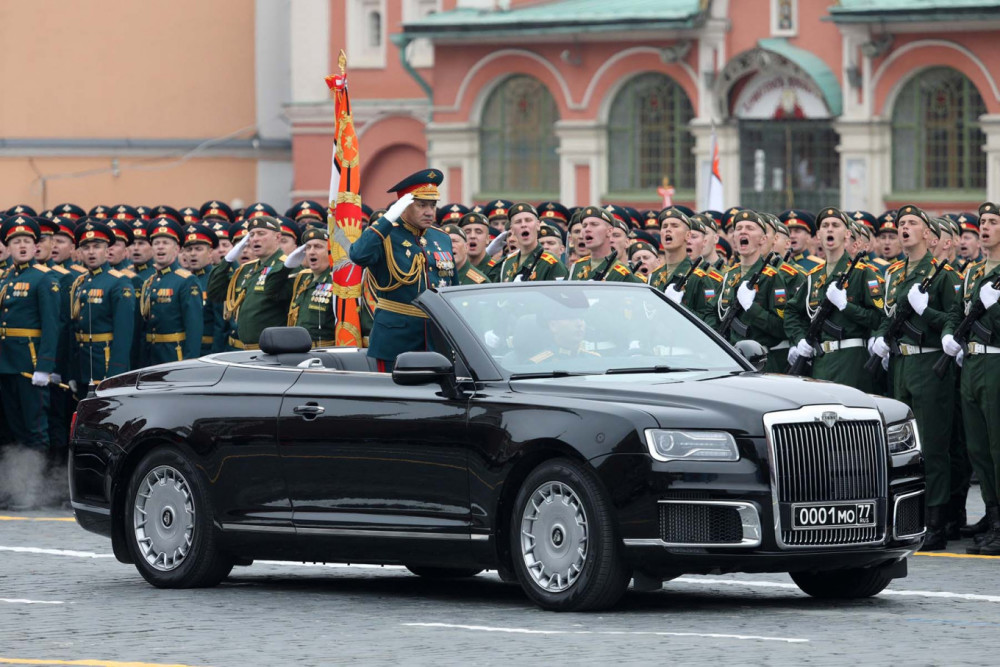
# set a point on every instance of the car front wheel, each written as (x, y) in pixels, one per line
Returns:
(168, 524)
(846, 584)
(567, 555)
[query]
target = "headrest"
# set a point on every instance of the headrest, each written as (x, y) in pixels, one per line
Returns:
(285, 340)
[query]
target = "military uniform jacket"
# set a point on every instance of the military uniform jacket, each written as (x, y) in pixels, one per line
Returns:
(142, 273)
(618, 273)
(806, 262)
(220, 282)
(861, 317)
(987, 330)
(402, 262)
(312, 306)
(103, 308)
(488, 267)
(171, 305)
(944, 291)
(211, 315)
(700, 292)
(258, 293)
(67, 272)
(470, 275)
(539, 264)
(765, 321)
(29, 319)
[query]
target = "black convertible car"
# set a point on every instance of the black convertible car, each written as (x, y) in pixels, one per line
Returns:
(573, 436)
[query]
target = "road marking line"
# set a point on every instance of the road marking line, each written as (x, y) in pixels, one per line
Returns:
(935, 554)
(26, 601)
(904, 593)
(529, 631)
(38, 518)
(56, 552)
(85, 663)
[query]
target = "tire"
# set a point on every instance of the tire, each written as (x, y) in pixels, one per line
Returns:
(847, 584)
(177, 546)
(560, 506)
(443, 572)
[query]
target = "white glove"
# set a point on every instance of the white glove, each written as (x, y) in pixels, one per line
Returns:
(745, 295)
(491, 339)
(988, 295)
(297, 256)
(836, 296)
(674, 294)
(72, 386)
(40, 379)
(869, 344)
(950, 345)
(396, 210)
(880, 348)
(805, 349)
(237, 250)
(885, 364)
(498, 244)
(793, 355)
(960, 358)
(918, 299)
(56, 378)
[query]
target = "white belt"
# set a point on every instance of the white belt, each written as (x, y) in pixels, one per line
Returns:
(834, 345)
(780, 346)
(979, 348)
(907, 350)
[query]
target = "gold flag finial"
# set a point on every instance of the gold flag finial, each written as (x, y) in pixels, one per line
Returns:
(342, 62)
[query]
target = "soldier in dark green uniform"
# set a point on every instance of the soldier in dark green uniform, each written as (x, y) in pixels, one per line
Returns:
(313, 300)
(232, 265)
(404, 254)
(887, 239)
(102, 307)
(597, 224)
(141, 253)
(118, 253)
(979, 384)
(801, 229)
(219, 217)
(464, 271)
(859, 309)
(477, 231)
(529, 262)
(29, 334)
(171, 300)
(199, 242)
(763, 313)
(913, 379)
(698, 296)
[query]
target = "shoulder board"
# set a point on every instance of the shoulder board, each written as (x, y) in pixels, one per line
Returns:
(183, 273)
(700, 273)
(78, 267)
(283, 257)
(621, 269)
(641, 277)
(546, 257)
(582, 259)
(787, 268)
(298, 278)
(815, 258)
(541, 356)
(897, 266)
(715, 275)
(492, 262)
(769, 271)
(59, 269)
(116, 273)
(815, 269)
(476, 276)
(128, 272)
(511, 255)
(437, 229)
(878, 261)
(42, 268)
(949, 267)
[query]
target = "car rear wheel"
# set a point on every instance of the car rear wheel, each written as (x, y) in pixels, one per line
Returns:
(168, 524)
(443, 572)
(846, 584)
(566, 551)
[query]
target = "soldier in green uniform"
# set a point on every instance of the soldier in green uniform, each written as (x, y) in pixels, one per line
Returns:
(859, 309)
(405, 255)
(477, 231)
(258, 293)
(118, 253)
(529, 262)
(219, 217)
(466, 273)
(969, 243)
(552, 239)
(763, 313)
(171, 300)
(601, 264)
(913, 379)
(801, 230)
(224, 272)
(29, 334)
(643, 258)
(887, 239)
(102, 307)
(698, 296)
(141, 253)
(312, 306)
(199, 242)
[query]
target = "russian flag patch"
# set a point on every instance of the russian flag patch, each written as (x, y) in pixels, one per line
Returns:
(709, 293)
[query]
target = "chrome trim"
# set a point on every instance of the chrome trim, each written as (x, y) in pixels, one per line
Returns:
(257, 528)
(895, 511)
(405, 534)
(479, 537)
(749, 516)
(814, 413)
(94, 509)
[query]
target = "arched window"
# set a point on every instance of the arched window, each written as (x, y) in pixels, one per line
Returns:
(648, 137)
(374, 30)
(517, 140)
(936, 139)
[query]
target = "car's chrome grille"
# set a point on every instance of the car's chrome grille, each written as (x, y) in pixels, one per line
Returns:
(816, 463)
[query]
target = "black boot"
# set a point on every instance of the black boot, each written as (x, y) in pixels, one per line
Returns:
(935, 539)
(990, 546)
(956, 517)
(977, 528)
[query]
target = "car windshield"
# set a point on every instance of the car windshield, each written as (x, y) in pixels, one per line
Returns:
(587, 328)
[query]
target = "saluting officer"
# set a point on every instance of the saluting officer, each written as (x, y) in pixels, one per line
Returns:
(598, 225)
(171, 300)
(404, 254)
(698, 296)
(197, 248)
(312, 306)
(29, 334)
(530, 261)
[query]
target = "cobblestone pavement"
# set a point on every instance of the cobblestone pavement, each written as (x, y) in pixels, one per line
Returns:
(64, 598)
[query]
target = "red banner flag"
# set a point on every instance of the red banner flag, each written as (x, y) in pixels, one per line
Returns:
(344, 213)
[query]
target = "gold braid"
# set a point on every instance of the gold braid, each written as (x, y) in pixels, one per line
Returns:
(231, 307)
(75, 304)
(144, 298)
(398, 277)
(302, 282)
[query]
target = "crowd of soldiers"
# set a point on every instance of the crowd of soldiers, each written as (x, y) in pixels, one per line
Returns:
(877, 303)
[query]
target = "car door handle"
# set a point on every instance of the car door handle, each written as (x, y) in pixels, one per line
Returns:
(309, 411)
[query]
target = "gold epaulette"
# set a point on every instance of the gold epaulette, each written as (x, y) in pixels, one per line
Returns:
(128, 273)
(583, 259)
(714, 275)
(492, 262)
(769, 271)
(700, 273)
(116, 273)
(283, 258)
(78, 267)
(59, 269)
(183, 273)
(821, 265)
(621, 269)
(475, 275)
(541, 356)
(546, 257)
(789, 269)
(42, 268)
(897, 266)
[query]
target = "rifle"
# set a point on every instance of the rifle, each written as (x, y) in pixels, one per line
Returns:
(736, 309)
(903, 312)
(967, 325)
(680, 281)
(526, 269)
(607, 267)
(815, 333)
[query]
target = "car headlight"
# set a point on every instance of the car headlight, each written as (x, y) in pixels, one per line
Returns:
(691, 445)
(903, 437)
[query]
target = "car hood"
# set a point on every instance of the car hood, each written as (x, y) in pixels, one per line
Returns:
(702, 400)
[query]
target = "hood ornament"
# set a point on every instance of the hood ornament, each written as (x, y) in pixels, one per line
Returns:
(829, 418)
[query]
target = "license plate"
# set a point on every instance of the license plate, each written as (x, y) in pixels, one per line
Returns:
(833, 515)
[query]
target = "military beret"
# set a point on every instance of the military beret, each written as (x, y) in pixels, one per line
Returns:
(22, 209)
(307, 208)
(264, 221)
(238, 230)
(686, 210)
(715, 217)
(944, 225)
(100, 212)
(968, 222)
(770, 221)
(46, 227)
(473, 218)
(598, 212)
(522, 207)
(215, 210)
(257, 209)
(798, 219)
(66, 226)
(554, 211)
(288, 226)
(863, 217)
(164, 227)
(452, 228)
(92, 229)
(831, 212)
(164, 211)
(861, 229)
(727, 217)
(366, 212)
(498, 209)
(123, 212)
(575, 217)
(139, 229)
(752, 216)
(314, 234)
(698, 222)
(934, 226)
(638, 245)
(551, 230)
(782, 228)
(422, 184)
(676, 213)
(955, 226)
(199, 232)
(910, 209)
(71, 211)
(121, 229)
(451, 213)
(988, 207)
(20, 225)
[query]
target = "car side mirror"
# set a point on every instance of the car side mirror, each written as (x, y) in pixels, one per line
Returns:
(416, 368)
(753, 352)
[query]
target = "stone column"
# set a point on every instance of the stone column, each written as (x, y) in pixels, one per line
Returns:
(455, 146)
(865, 164)
(990, 123)
(582, 144)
